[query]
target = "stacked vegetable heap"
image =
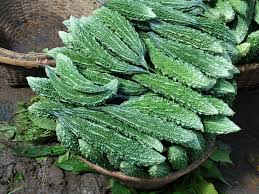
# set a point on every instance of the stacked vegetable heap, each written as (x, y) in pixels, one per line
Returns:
(242, 16)
(139, 87)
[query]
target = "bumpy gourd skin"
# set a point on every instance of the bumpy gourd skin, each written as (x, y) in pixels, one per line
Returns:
(253, 42)
(67, 138)
(132, 170)
(133, 10)
(245, 13)
(177, 157)
(110, 142)
(163, 108)
(155, 126)
(190, 36)
(72, 77)
(108, 121)
(185, 96)
(213, 66)
(178, 69)
(69, 94)
(160, 170)
(219, 125)
(126, 87)
(222, 10)
(142, 101)
(124, 30)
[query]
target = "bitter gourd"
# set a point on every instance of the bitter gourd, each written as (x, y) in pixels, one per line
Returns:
(221, 106)
(194, 154)
(123, 29)
(45, 107)
(154, 126)
(76, 56)
(211, 65)
(216, 29)
(244, 18)
(256, 16)
(97, 53)
(183, 5)
(133, 10)
(219, 125)
(93, 155)
(132, 170)
(240, 28)
(110, 40)
(178, 92)
(67, 138)
(177, 157)
(163, 108)
(69, 73)
(253, 41)
(175, 16)
(222, 10)
(113, 161)
(108, 121)
(241, 6)
(231, 51)
(43, 87)
(126, 87)
(223, 87)
(160, 170)
(187, 35)
(178, 69)
(69, 94)
(111, 142)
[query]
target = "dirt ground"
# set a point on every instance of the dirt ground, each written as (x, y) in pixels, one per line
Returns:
(38, 177)
(44, 177)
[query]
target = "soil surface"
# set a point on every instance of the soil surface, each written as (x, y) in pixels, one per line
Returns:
(23, 175)
(44, 177)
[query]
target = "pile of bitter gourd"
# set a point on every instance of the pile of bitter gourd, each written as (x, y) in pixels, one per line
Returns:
(140, 86)
(242, 16)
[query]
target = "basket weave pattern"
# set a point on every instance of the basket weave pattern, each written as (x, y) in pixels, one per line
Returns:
(28, 26)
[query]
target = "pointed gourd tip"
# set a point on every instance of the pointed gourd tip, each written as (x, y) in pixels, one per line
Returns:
(151, 13)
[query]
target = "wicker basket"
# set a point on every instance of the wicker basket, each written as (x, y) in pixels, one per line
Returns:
(153, 183)
(249, 77)
(28, 26)
(140, 183)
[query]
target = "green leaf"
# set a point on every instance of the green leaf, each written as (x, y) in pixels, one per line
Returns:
(72, 163)
(31, 151)
(222, 153)
(118, 188)
(19, 176)
(7, 131)
(221, 156)
(204, 187)
(210, 170)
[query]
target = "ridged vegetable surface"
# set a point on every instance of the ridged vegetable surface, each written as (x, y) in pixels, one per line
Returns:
(140, 86)
(107, 141)
(177, 157)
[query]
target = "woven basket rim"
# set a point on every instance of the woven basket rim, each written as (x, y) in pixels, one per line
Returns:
(26, 60)
(153, 182)
(36, 60)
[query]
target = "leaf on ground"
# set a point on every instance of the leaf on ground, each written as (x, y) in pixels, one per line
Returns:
(118, 188)
(32, 151)
(7, 131)
(204, 187)
(72, 163)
